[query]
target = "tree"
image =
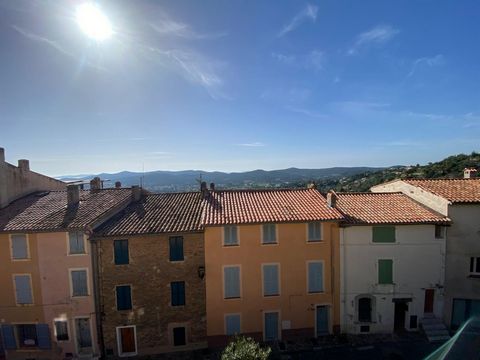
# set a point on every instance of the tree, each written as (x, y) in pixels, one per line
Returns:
(242, 348)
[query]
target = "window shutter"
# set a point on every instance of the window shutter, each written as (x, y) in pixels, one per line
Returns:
(383, 234)
(230, 235)
(124, 297)
(9, 341)
(232, 282)
(315, 277)
(43, 336)
(232, 324)
(385, 271)
(79, 283)
(121, 254)
(24, 291)
(19, 246)
(270, 279)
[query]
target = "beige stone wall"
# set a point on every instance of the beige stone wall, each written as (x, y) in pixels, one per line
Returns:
(149, 273)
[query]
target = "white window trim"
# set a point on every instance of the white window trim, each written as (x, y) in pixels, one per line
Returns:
(225, 322)
(476, 259)
(90, 323)
(279, 323)
(262, 242)
(238, 236)
(119, 345)
(71, 283)
(55, 329)
(131, 296)
(279, 280)
(322, 233)
(15, 289)
(84, 245)
(323, 277)
(377, 267)
(27, 241)
(240, 280)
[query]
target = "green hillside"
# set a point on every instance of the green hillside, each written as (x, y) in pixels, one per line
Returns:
(451, 167)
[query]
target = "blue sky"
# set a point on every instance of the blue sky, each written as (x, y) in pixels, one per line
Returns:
(239, 85)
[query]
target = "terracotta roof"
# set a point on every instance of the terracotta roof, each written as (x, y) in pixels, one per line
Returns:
(385, 208)
(262, 206)
(157, 213)
(454, 190)
(42, 211)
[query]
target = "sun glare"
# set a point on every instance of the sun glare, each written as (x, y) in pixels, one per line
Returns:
(93, 22)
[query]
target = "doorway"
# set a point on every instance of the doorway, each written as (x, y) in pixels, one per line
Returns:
(271, 326)
(126, 340)
(429, 297)
(401, 307)
(84, 336)
(321, 320)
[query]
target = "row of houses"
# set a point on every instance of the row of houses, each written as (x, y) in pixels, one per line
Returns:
(122, 272)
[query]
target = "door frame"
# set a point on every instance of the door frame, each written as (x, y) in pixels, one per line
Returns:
(279, 324)
(77, 345)
(119, 347)
(432, 290)
(329, 318)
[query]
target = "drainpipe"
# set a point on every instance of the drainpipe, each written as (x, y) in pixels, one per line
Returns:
(97, 297)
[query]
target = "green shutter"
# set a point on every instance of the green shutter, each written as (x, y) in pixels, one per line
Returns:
(385, 271)
(383, 234)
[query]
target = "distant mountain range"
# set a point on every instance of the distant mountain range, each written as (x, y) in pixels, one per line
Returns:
(188, 179)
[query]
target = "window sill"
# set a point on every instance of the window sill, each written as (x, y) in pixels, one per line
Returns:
(125, 310)
(474, 276)
(79, 254)
(315, 292)
(271, 296)
(232, 298)
(314, 241)
(24, 305)
(232, 245)
(23, 259)
(177, 261)
(79, 296)
(269, 243)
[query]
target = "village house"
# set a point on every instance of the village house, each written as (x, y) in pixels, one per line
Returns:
(272, 265)
(459, 199)
(47, 305)
(392, 252)
(151, 276)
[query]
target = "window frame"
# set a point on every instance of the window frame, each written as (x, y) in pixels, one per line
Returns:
(239, 281)
(70, 270)
(119, 344)
(21, 345)
(308, 276)
(15, 289)
(131, 297)
(279, 324)
(278, 280)
(275, 231)
(309, 240)
(55, 334)
(225, 323)
(224, 237)
(378, 271)
(184, 327)
(372, 241)
(170, 248)
(128, 252)
(27, 244)
(69, 249)
(474, 265)
(442, 232)
(172, 297)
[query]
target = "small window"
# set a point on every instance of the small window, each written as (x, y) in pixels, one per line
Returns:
(270, 280)
(269, 234)
(439, 232)
(23, 289)
(365, 309)
(413, 321)
(124, 297)
(179, 337)
(27, 335)
(61, 330)
(315, 231)
(385, 271)
(121, 252)
(76, 242)
(232, 324)
(79, 283)
(178, 293)
(19, 246)
(230, 235)
(315, 277)
(231, 277)
(176, 248)
(383, 234)
(475, 265)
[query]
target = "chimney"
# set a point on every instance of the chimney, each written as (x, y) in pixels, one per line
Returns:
(469, 173)
(118, 184)
(95, 183)
(2, 155)
(73, 195)
(331, 199)
(204, 189)
(212, 186)
(311, 185)
(24, 164)
(136, 193)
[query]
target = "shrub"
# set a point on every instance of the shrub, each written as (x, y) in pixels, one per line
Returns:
(242, 348)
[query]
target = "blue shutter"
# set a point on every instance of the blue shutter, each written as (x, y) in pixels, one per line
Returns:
(19, 246)
(124, 297)
(230, 235)
(232, 282)
(9, 341)
(176, 248)
(24, 291)
(271, 326)
(43, 336)
(79, 283)
(232, 324)
(315, 277)
(270, 280)
(121, 252)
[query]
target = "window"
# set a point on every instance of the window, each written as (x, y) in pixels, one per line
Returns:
(19, 246)
(76, 242)
(383, 234)
(231, 278)
(178, 293)
(23, 289)
(61, 330)
(176, 248)
(269, 234)
(27, 335)
(315, 277)
(475, 266)
(315, 231)
(121, 255)
(232, 324)
(413, 321)
(365, 309)
(126, 341)
(385, 271)
(270, 280)
(464, 309)
(79, 282)
(124, 297)
(179, 338)
(439, 232)
(230, 236)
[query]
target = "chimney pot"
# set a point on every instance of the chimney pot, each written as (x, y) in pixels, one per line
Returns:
(118, 184)
(204, 189)
(212, 186)
(95, 183)
(136, 193)
(73, 195)
(24, 164)
(469, 173)
(2, 155)
(331, 199)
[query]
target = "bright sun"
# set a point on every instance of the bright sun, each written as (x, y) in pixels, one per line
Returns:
(93, 22)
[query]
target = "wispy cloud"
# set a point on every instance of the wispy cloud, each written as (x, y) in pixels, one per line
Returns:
(309, 13)
(307, 112)
(253, 144)
(165, 25)
(35, 37)
(315, 60)
(378, 35)
(436, 60)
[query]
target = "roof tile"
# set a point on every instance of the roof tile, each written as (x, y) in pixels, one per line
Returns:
(454, 190)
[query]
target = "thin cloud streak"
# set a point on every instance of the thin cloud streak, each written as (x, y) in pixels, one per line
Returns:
(380, 34)
(309, 13)
(436, 60)
(253, 144)
(168, 26)
(315, 60)
(306, 112)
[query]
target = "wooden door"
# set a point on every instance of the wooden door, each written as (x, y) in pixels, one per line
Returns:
(322, 320)
(84, 336)
(429, 296)
(271, 326)
(127, 337)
